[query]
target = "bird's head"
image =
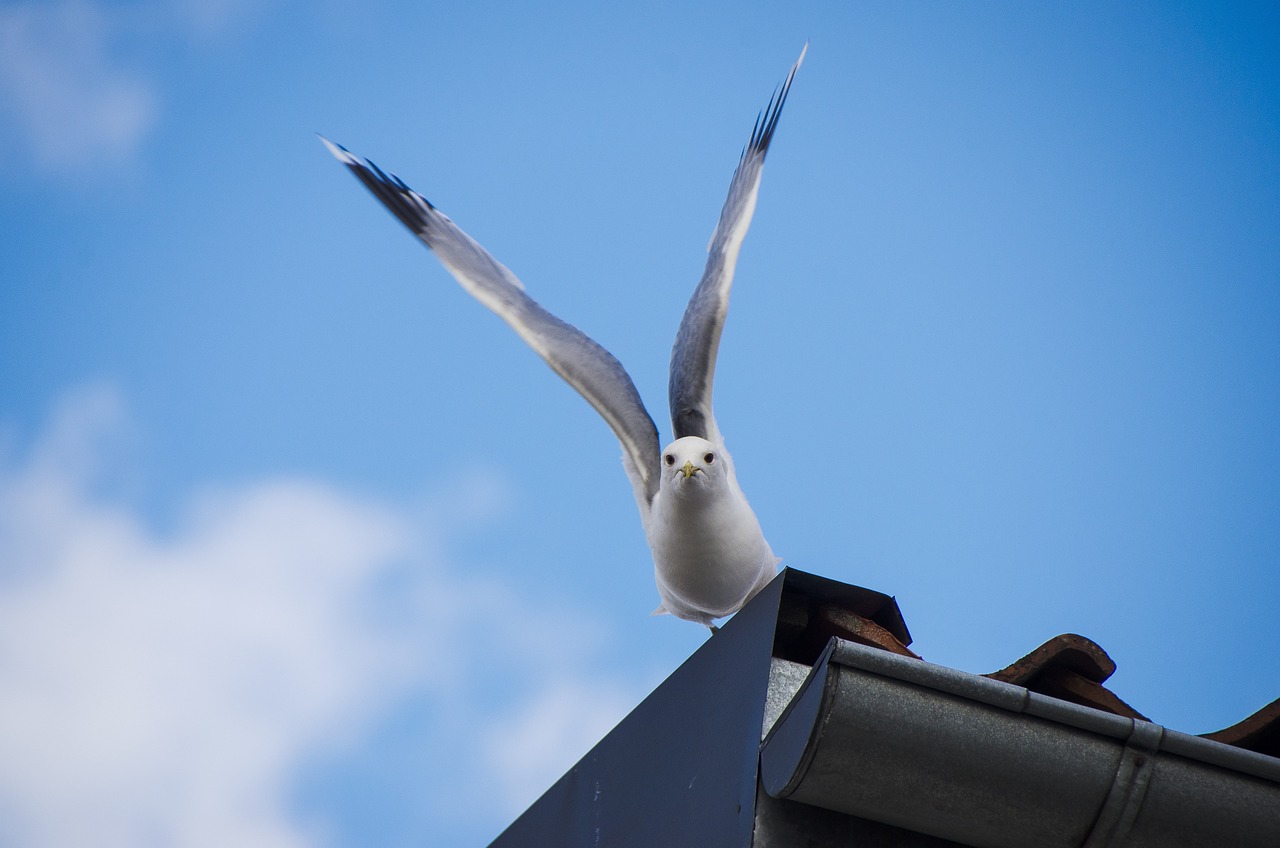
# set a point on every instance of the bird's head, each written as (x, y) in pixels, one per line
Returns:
(693, 463)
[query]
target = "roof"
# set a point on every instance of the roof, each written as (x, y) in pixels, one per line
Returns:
(808, 720)
(1070, 667)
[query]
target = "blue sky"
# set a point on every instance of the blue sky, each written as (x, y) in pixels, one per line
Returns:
(300, 546)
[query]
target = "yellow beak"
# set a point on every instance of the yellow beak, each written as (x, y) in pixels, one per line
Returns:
(689, 470)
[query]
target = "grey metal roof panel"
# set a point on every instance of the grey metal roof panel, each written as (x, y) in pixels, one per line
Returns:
(681, 768)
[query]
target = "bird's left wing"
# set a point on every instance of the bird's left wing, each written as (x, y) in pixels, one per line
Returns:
(693, 358)
(583, 363)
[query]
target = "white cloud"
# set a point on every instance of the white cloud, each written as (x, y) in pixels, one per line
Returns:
(166, 689)
(67, 86)
(533, 745)
(63, 88)
(204, 18)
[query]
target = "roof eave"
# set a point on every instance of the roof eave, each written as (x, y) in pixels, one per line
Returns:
(982, 762)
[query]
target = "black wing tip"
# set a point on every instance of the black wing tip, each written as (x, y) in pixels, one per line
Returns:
(402, 201)
(767, 120)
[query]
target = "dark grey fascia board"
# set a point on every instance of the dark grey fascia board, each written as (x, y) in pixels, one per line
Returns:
(681, 769)
(985, 763)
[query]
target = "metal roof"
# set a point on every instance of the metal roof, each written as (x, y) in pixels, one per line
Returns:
(866, 744)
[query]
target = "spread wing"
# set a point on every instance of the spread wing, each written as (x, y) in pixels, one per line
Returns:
(583, 363)
(693, 358)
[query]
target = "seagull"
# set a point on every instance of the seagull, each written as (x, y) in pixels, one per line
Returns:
(710, 556)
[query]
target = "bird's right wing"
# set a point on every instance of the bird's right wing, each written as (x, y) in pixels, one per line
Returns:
(693, 357)
(583, 363)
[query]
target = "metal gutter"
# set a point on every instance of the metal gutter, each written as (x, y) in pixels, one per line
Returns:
(986, 763)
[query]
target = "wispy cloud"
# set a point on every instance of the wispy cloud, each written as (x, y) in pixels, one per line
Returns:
(64, 89)
(540, 739)
(204, 18)
(167, 688)
(69, 87)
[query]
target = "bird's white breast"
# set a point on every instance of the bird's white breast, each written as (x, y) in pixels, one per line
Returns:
(709, 553)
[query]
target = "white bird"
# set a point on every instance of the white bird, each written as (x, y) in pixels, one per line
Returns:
(710, 556)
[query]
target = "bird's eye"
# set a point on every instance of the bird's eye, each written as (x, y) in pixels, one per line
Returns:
(671, 460)
(709, 458)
